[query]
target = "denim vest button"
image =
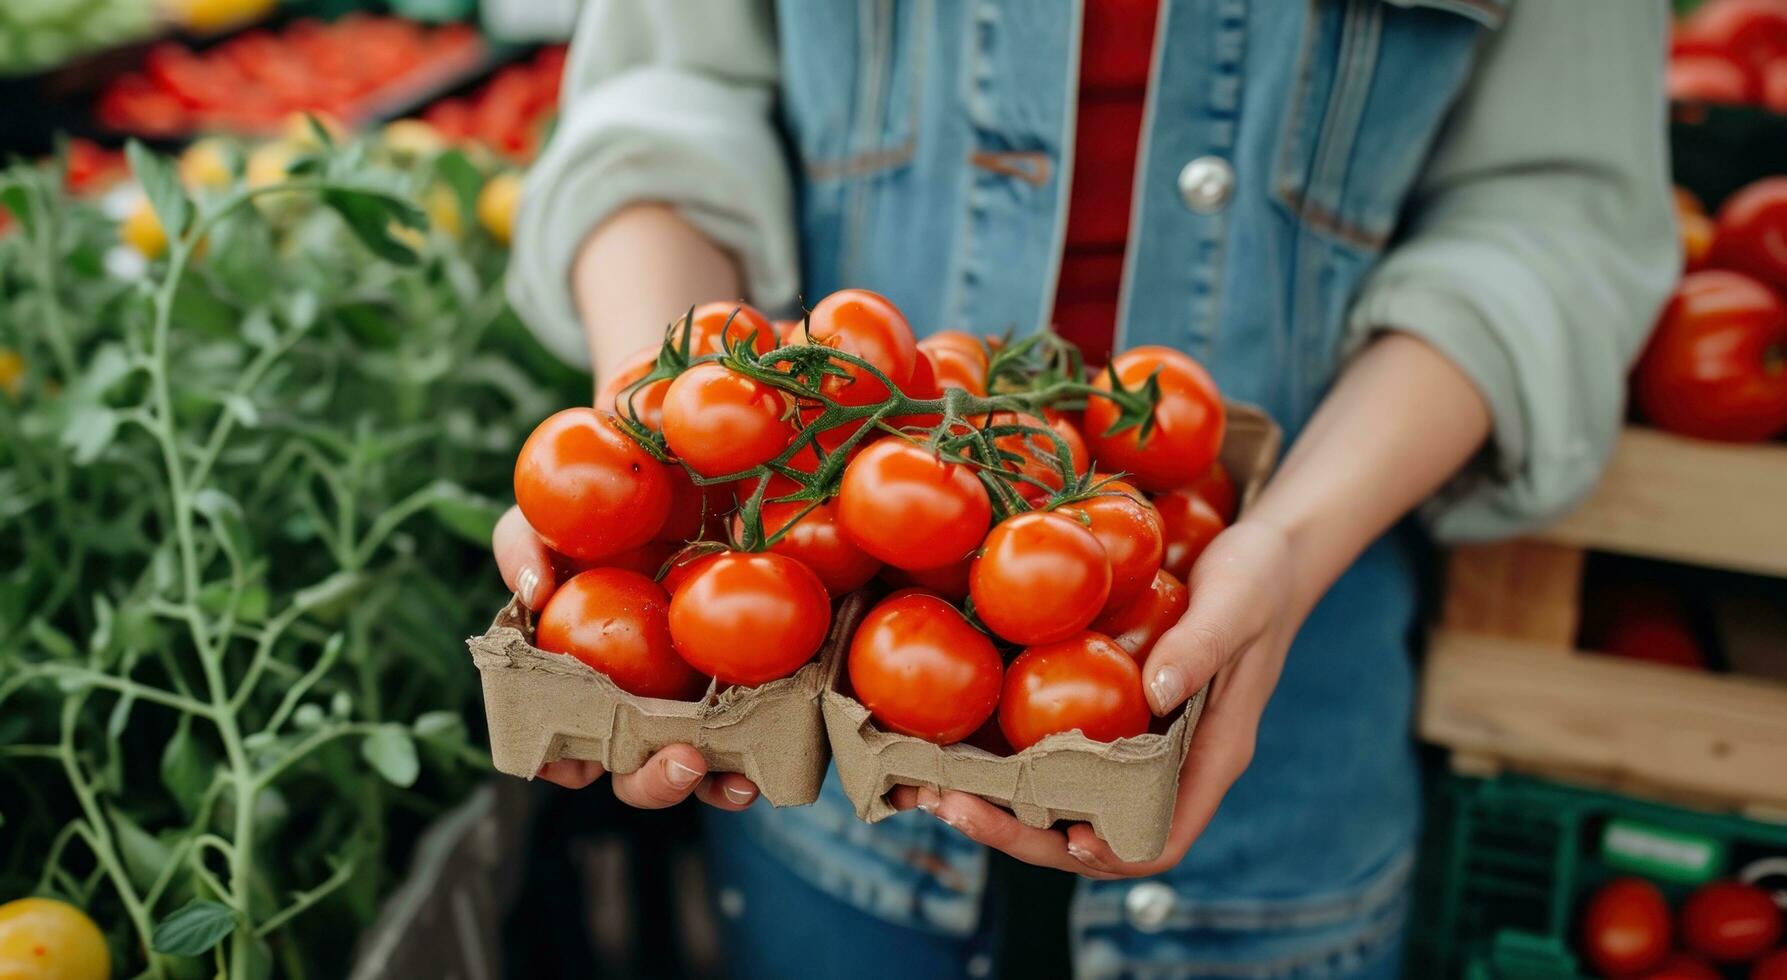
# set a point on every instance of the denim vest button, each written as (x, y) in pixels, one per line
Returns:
(1148, 904)
(1206, 184)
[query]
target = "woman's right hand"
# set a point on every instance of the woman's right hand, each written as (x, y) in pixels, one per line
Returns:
(673, 772)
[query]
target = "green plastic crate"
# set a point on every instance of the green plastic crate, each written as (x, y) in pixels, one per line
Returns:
(1507, 863)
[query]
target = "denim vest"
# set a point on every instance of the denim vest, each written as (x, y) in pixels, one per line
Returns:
(932, 143)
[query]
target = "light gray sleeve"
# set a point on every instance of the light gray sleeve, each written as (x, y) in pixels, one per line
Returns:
(668, 102)
(1540, 245)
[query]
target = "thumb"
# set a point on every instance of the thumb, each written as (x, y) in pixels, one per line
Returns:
(523, 559)
(1227, 613)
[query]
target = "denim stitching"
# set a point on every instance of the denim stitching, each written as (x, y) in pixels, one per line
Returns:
(1386, 887)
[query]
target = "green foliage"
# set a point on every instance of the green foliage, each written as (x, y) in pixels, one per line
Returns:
(244, 514)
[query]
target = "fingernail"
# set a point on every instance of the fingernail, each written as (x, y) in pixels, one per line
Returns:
(526, 581)
(928, 800)
(1168, 684)
(1081, 855)
(681, 776)
(740, 795)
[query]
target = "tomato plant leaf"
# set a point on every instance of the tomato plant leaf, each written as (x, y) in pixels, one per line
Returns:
(439, 725)
(162, 186)
(392, 752)
(53, 640)
(193, 928)
(185, 766)
(17, 200)
(462, 178)
(144, 854)
(371, 215)
(90, 430)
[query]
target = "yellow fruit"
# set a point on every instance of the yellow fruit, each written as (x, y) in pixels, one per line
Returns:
(205, 164)
(297, 129)
(142, 230)
(43, 939)
(497, 203)
(205, 16)
(269, 162)
(12, 372)
(412, 138)
(442, 206)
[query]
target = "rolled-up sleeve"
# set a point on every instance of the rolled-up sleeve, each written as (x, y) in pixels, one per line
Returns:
(1538, 248)
(663, 102)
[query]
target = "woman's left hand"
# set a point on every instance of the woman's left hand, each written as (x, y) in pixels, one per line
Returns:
(1237, 631)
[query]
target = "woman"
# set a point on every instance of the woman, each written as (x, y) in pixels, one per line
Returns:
(1426, 236)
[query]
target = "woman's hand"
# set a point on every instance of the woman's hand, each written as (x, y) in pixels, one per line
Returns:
(1237, 630)
(673, 772)
(1400, 421)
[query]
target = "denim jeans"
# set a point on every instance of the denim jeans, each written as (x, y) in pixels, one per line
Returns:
(1303, 873)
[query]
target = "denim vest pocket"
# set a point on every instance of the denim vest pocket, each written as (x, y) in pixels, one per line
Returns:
(1374, 84)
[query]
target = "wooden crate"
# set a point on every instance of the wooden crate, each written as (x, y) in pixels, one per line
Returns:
(1505, 688)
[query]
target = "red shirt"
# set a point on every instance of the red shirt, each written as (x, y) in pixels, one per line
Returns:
(1116, 47)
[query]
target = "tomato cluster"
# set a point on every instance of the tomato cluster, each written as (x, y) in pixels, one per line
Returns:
(1716, 364)
(733, 482)
(1628, 931)
(1731, 52)
(512, 112)
(254, 80)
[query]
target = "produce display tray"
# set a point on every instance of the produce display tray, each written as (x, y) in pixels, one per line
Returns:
(1508, 861)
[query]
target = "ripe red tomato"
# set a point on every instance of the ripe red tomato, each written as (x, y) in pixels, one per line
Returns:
(815, 539)
(949, 581)
(1625, 929)
(1751, 235)
(956, 367)
(1132, 535)
(1190, 523)
(1771, 967)
(1188, 421)
(1730, 922)
(921, 386)
(1712, 78)
(686, 564)
(1716, 367)
(865, 324)
(749, 618)
(646, 559)
(1683, 966)
(1774, 85)
(1069, 431)
(714, 325)
(1084, 682)
(910, 508)
(1218, 488)
(645, 405)
(922, 670)
(965, 343)
(1750, 32)
(587, 488)
(719, 421)
(1650, 624)
(1041, 577)
(1140, 624)
(696, 511)
(619, 623)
